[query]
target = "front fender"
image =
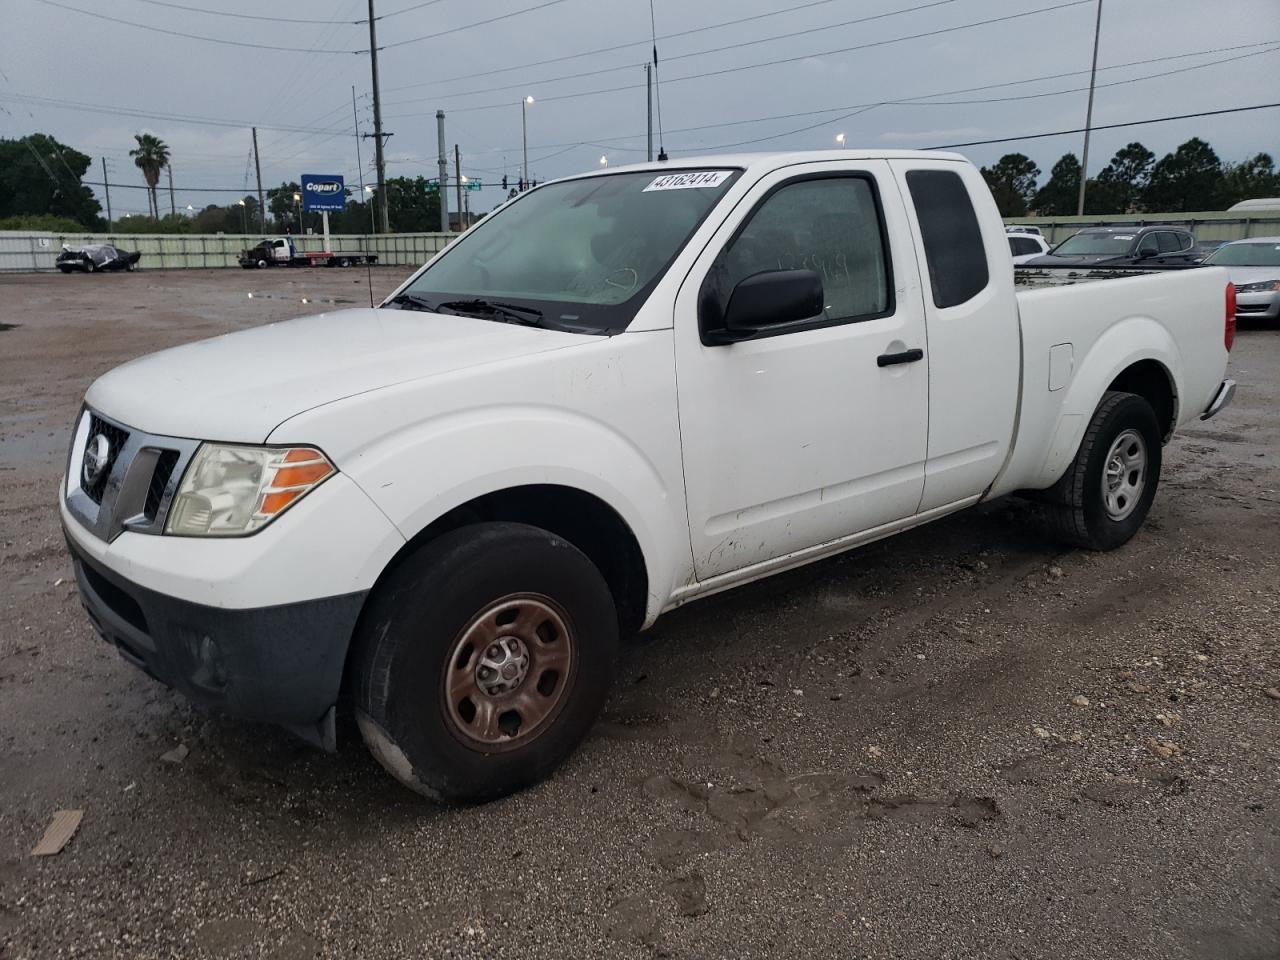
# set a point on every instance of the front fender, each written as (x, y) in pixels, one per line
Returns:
(1129, 341)
(417, 475)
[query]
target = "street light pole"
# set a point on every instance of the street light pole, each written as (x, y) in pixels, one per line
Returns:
(297, 205)
(524, 134)
(1088, 117)
(244, 218)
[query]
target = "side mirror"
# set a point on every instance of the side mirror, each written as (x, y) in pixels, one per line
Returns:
(1145, 253)
(768, 301)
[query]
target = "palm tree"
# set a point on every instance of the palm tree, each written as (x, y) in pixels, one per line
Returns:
(151, 156)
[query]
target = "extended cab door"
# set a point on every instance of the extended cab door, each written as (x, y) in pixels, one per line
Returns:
(806, 435)
(975, 349)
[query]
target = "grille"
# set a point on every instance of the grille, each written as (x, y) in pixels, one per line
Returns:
(167, 460)
(1251, 307)
(116, 437)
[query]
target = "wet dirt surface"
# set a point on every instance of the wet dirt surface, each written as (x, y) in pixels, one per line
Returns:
(962, 742)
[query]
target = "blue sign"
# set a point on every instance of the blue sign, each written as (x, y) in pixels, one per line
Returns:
(323, 192)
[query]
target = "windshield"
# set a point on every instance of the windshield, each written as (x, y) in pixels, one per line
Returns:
(1246, 255)
(583, 253)
(1093, 244)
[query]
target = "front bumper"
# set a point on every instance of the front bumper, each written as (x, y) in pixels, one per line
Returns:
(279, 664)
(1258, 306)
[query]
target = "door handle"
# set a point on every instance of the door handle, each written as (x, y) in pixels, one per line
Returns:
(906, 356)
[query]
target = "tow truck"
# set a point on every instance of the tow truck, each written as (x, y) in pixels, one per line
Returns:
(282, 252)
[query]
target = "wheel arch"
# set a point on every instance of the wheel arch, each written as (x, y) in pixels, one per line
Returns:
(583, 519)
(1136, 355)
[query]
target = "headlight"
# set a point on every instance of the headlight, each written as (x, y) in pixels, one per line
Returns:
(230, 490)
(1260, 287)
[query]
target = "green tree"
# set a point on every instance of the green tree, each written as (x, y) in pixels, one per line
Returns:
(150, 156)
(1121, 182)
(1188, 179)
(39, 175)
(1252, 179)
(282, 205)
(1012, 180)
(413, 205)
(1061, 193)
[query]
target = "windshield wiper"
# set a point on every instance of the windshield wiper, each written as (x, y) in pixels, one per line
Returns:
(411, 301)
(491, 309)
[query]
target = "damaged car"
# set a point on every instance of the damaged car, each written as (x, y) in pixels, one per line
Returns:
(96, 256)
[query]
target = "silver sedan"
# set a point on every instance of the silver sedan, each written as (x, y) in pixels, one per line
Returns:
(1254, 267)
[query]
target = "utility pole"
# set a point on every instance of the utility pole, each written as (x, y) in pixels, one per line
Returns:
(173, 208)
(444, 174)
(107, 186)
(1088, 117)
(377, 122)
(457, 176)
(648, 89)
(262, 205)
(355, 125)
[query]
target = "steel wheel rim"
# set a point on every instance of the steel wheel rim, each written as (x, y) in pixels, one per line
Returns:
(1124, 474)
(508, 672)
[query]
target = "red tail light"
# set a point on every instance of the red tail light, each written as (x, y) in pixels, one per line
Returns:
(1229, 329)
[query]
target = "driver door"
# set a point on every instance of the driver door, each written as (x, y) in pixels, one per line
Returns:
(804, 436)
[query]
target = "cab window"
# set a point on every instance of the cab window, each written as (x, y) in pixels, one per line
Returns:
(830, 225)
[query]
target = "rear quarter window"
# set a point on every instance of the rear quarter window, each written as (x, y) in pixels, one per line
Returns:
(951, 236)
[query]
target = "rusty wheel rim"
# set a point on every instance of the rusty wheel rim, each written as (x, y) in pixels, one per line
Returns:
(508, 672)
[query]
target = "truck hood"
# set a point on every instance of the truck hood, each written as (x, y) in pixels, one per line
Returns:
(240, 386)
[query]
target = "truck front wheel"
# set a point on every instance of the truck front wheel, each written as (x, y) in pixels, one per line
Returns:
(482, 661)
(1106, 493)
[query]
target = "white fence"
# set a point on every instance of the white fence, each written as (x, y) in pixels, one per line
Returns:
(1208, 227)
(23, 251)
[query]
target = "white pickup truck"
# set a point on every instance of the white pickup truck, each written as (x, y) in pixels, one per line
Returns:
(619, 392)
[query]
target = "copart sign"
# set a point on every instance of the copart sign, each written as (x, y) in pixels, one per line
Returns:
(323, 192)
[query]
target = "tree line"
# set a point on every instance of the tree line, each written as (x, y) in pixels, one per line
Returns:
(1190, 178)
(41, 188)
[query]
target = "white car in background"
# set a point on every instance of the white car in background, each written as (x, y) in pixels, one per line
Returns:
(1254, 267)
(1025, 246)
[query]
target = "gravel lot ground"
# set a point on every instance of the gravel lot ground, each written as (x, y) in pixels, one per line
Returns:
(962, 742)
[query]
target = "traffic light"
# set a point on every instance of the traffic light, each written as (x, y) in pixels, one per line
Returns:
(520, 184)
(504, 181)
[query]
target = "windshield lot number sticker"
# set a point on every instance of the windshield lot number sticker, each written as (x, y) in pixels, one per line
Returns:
(687, 181)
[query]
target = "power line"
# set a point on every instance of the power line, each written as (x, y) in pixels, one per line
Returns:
(189, 36)
(610, 143)
(637, 43)
(770, 63)
(145, 115)
(1107, 126)
(709, 51)
(468, 26)
(921, 102)
(396, 13)
(245, 16)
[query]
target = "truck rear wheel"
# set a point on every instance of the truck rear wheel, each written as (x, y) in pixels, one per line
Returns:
(1104, 497)
(482, 661)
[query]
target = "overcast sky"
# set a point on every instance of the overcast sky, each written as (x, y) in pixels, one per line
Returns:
(164, 83)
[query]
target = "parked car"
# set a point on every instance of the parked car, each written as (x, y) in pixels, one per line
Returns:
(1121, 246)
(451, 505)
(1254, 267)
(93, 257)
(1024, 246)
(1205, 248)
(1022, 228)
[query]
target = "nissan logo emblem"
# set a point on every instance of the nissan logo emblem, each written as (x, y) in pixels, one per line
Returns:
(96, 457)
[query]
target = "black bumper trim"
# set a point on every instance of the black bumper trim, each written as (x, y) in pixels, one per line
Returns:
(279, 664)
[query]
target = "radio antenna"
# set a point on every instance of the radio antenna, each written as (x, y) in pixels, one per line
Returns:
(657, 87)
(355, 122)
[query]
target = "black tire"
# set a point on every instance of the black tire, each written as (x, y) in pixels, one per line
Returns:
(1076, 507)
(415, 628)
(262, 264)
(90, 266)
(64, 269)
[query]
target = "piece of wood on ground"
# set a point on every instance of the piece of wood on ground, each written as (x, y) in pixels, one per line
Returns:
(61, 830)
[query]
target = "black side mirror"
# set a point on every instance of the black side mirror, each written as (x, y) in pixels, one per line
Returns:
(765, 302)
